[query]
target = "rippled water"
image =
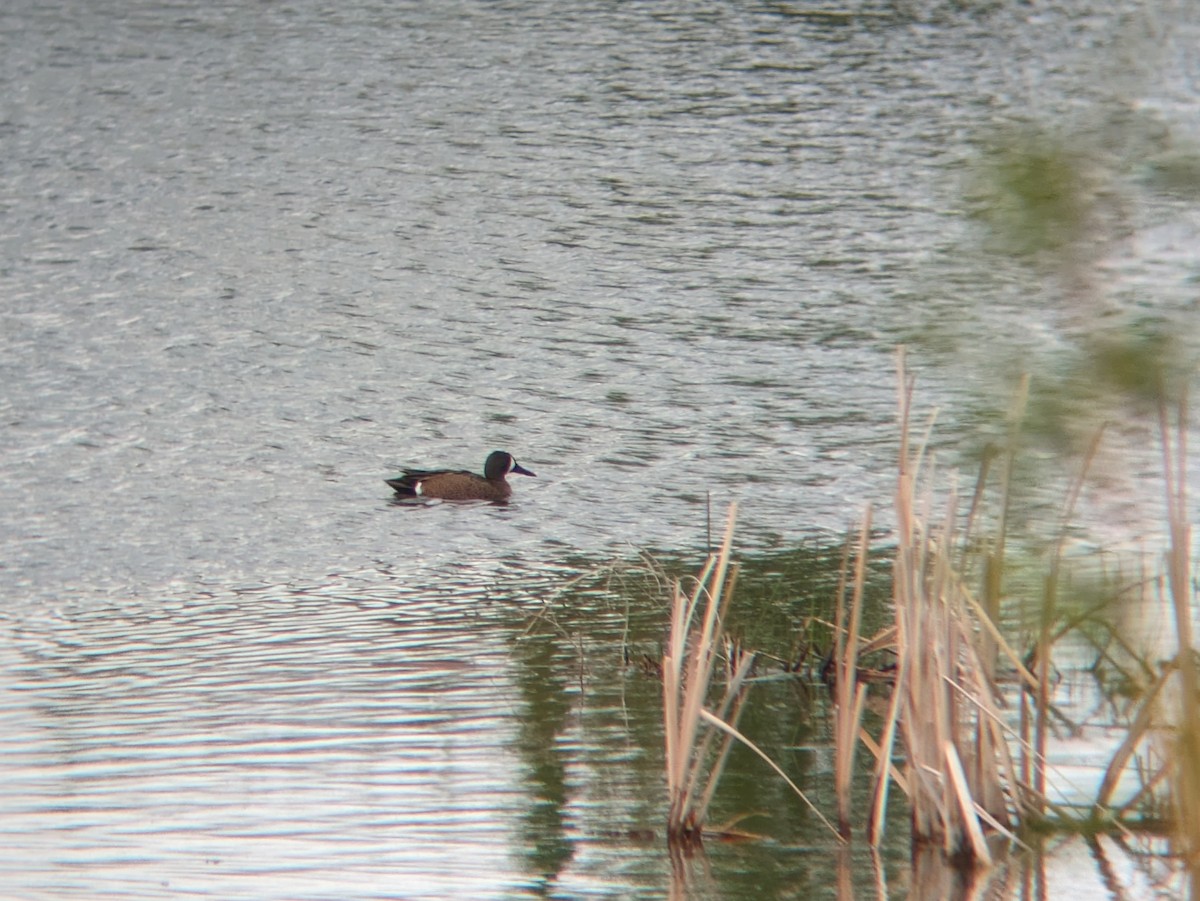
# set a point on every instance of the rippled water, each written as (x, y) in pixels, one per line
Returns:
(212, 742)
(255, 257)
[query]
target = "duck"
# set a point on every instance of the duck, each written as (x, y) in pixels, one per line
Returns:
(461, 484)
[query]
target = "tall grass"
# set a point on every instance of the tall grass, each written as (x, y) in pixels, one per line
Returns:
(945, 712)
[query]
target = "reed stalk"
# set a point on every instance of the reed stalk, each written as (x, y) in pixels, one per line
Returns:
(993, 576)
(849, 696)
(1046, 633)
(1187, 747)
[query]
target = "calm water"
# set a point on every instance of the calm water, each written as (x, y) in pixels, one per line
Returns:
(254, 257)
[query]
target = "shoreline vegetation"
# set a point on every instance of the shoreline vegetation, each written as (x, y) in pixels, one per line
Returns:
(953, 657)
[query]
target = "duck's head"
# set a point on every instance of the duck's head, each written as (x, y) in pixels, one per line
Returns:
(500, 463)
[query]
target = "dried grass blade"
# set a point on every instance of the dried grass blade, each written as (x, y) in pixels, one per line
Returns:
(966, 806)
(725, 727)
(1142, 724)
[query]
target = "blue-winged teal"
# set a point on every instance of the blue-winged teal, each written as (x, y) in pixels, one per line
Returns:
(459, 484)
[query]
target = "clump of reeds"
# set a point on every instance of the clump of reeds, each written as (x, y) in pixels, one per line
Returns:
(696, 651)
(944, 711)
(689, 665)
(960, 778)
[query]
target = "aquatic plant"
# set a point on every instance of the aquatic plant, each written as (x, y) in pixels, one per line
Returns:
(1186, 764)
(689, 666)
(850, 694)
(944, 712)
(1166, 721)
(969, 775)
(949, 643)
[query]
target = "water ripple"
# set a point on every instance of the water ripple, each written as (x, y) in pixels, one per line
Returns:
(263, 725)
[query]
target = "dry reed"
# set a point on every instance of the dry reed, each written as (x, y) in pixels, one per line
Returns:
(944, 709)
(849, 694)
(1186, 763)
(689, 667)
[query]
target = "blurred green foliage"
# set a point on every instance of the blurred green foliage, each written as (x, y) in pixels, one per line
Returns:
(1031, 191)
(1057, 201)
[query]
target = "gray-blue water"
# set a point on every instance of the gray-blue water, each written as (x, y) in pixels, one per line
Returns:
(256, 256)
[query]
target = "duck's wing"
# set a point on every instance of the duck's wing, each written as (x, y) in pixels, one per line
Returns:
(409, 479)
(418, 474)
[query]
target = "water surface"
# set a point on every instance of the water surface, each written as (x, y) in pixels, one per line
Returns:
(254, 258)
